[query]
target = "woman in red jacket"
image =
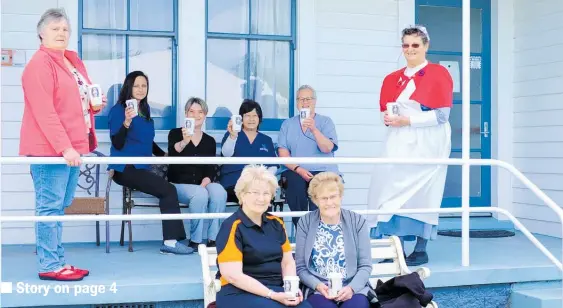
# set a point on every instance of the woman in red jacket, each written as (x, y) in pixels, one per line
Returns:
(58, 120)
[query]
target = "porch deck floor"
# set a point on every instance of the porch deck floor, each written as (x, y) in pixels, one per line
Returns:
(147, 276)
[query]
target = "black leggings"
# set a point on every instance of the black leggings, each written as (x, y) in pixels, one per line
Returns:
(145, 181)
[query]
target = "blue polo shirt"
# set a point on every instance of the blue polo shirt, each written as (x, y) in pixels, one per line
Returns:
(259, 248)
(303, 144)
(261, 147)
(139, 139)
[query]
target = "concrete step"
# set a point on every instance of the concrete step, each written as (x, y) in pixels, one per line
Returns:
(537, 298)
(475, 223)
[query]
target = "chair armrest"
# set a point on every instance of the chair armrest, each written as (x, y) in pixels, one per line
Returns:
(423, 272)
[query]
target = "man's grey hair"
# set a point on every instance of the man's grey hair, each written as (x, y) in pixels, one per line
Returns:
(196, 100)
(50, 15)
(308, 87)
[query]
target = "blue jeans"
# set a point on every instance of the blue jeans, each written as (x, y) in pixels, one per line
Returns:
(211, 199)
(54, 186)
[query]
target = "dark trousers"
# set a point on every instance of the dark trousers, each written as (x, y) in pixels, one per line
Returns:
(357, 301)
(249, 300)
(145, 181)
(296, 194)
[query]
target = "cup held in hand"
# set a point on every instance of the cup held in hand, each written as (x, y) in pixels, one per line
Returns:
(393, 110)
(95, 95)
(291, 286)
(334, 283)
(236, 121)
(133, 104)
(189, 125)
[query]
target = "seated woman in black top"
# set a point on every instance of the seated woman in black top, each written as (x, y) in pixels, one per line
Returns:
(194, 182)
(132, 134)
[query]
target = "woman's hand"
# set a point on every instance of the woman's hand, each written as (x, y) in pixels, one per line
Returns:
(396, 121)
(286, 299)
(232, 134)
(96, 109)
(185, 136)
(129, 115)
(205, 182)
(344, 294)
(323, 289)
(72, 157)
(304, 173)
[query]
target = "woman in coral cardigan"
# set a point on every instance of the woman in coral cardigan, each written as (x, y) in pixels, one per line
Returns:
(58, 120)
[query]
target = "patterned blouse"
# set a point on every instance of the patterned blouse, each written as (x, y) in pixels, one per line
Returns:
(83, 89)
(328, 250)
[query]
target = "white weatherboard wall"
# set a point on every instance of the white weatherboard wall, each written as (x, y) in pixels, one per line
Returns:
(344, 51)
(538, 110)
(357, 45)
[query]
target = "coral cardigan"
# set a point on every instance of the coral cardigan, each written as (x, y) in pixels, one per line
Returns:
(52, 118)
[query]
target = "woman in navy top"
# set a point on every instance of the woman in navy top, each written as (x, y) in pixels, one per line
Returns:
(249, 142)
(132, 134)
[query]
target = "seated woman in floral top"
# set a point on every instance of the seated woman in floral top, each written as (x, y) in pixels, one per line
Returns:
(333, 240)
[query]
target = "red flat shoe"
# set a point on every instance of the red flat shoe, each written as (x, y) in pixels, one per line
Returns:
(83, 272)
(69, 275)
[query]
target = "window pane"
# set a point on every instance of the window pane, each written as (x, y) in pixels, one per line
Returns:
(105, 14)
(225, 76)
(229, 16)
(153, 56)
(152, 15)
(269, 77)
(445, 27)
(271, 17)
(104, 58)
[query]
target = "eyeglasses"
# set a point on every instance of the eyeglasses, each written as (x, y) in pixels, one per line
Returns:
(415, 45)
(256, 194)
(327, 198)
(304, 99)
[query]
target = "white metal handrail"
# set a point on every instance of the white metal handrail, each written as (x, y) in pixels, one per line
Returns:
(300, 160)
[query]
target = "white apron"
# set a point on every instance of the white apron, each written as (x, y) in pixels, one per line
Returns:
(410, 186)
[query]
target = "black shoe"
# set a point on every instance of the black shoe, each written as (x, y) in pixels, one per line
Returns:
(417, 258)
(193, 245)
(391, 260)
(211, 243)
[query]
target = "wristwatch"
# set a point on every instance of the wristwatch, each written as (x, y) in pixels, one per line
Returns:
(269, 296)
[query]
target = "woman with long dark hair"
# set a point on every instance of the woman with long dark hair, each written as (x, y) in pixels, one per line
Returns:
(132, 134)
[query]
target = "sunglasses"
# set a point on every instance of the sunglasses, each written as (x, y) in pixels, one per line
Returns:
(415, 45)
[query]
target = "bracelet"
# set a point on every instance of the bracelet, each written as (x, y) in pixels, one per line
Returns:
(269, 296)
(295, 169)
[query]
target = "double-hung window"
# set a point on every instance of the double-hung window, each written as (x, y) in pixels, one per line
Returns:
(120, 36)
(250, 54)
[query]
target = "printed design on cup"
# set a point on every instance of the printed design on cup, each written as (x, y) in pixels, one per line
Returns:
(236, 121)
(393, 109)
(94, 94)
(132, 103)
(334, 283)
(189, 125)
(291, 286)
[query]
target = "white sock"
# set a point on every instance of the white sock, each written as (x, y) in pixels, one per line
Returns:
(170, 243)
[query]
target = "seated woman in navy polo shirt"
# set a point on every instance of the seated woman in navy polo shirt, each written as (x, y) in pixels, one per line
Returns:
(249, 142)
(253, 252)
(132, 134)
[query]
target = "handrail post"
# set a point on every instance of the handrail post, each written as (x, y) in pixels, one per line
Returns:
(465, 147)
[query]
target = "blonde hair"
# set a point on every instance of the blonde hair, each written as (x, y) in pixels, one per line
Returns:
(251, 174)
(321, 180)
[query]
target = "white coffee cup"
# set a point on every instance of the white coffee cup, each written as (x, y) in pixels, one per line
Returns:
(304, 113)
(95, 95)
(133, 104)
(236, 121)
(189, 125)
(334, 283)
(393, 109)
(291, 286)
